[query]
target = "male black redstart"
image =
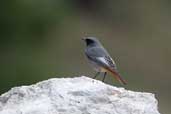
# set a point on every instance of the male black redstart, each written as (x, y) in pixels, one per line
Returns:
(100, 59)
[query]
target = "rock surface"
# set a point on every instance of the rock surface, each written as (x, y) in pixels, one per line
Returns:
(81, 95)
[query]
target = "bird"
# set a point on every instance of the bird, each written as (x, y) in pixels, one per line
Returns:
(100, 60)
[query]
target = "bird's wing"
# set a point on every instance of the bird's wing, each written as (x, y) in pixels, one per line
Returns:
(109, 62)
(101, 56)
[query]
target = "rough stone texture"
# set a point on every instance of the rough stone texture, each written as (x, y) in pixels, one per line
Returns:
(81, 95)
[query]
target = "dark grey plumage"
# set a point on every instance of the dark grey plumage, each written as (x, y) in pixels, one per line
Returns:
(100, 59)
(95, 52)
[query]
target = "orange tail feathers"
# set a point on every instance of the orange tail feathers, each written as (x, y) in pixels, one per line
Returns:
(117, 76)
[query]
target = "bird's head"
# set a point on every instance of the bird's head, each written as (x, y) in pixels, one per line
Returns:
(91, 41)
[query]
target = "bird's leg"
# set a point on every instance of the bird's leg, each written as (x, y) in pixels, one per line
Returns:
(96, 75)
(104, 76)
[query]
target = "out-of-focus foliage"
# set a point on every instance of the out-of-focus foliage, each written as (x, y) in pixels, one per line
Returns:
(41, 39)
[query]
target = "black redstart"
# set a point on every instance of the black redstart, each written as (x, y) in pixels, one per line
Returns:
(100, 59)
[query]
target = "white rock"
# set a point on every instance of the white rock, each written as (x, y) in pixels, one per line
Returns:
(81, 95)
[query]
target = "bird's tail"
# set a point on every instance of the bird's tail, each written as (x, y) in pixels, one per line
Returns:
(117, 76)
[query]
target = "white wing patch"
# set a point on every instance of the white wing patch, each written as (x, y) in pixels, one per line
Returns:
(108, 61)
(103, 60)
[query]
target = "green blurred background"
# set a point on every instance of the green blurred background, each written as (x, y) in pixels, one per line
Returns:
(41, 39)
